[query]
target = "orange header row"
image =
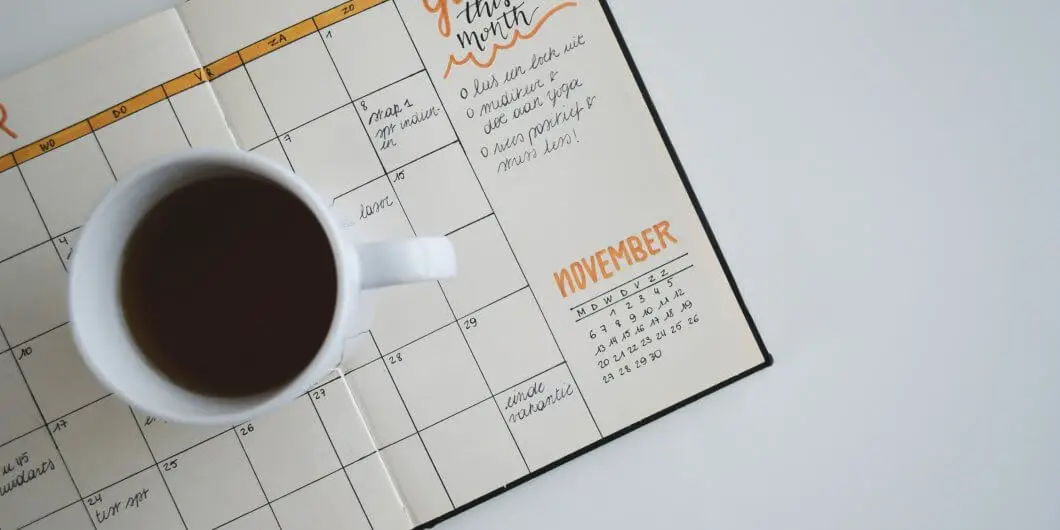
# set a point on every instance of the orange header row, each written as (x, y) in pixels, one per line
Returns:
(127, 108)
(54, 141)
(277, 40)
(186, 81)
(189, 80)
(342, 12)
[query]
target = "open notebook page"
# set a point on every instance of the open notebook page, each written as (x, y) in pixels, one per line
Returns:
(591, 297)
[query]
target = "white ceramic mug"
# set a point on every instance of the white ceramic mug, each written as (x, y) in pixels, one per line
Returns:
(96, 315)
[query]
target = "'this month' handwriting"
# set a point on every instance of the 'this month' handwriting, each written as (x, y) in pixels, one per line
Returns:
(605, 263)
(488, 26)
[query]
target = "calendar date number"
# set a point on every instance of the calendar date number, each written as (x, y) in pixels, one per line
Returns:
(627, 368)
(631, 337)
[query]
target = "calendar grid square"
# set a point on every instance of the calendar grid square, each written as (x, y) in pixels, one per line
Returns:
(452, 314)
(418, 435)
(341, 467)
(279, 135)
(54, 368)
(82, 407)
(23, 227)
(20, 406)
(268, 118)
(157, 466)
(217, 466)
(39, 214)
(257, 478)
(349, 97)
(67, 515)
(96, 468)
(68, 182)
(20, 436)
(313, 119)
(46, 428)
(251, 520)
(183, 131)
(38, 335)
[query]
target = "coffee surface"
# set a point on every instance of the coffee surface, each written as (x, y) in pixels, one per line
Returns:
(229, 286)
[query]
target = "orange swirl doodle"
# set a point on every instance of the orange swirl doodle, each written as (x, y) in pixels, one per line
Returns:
(3, 122)
(445, 28)
(442, 8)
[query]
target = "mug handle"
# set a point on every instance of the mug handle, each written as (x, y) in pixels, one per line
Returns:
(420, 259)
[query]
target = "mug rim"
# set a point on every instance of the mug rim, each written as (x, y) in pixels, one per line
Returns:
(343, 255)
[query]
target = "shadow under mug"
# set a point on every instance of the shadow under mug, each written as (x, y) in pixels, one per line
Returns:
(96, 315)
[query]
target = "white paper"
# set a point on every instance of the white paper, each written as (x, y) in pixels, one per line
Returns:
(590, 297)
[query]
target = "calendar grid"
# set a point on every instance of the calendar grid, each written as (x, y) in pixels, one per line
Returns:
(39, 335)
(36, 207)
(497, 301)
(493, 396)
(299, 126)
(292, 492)
(106, 159)
(638, 291)
(331, 442)
(340, 107)
(43, 419)
(268, 117)
(257, 478)
(156, 464)
(627, 282)
(345, 468)
(231, 430)
(178, 85)
(500, 224)
(411, 227)
(21, 252)
(35, 429)
(417, 433)
(457, 229)
(397, 169)
(238, 62)
(352, 101)
(408, 220)
(323, 383)
(180, 123)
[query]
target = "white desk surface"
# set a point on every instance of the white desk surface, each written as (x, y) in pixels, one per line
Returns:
(884, 180)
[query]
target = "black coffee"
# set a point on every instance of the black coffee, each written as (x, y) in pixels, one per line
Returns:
(228, 286)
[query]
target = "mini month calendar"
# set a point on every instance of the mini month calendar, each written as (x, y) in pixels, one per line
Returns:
(592, 296)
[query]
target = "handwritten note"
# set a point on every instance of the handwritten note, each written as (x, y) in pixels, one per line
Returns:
(531, 110)
(23, 470)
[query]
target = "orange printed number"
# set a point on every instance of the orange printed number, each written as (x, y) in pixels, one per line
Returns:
(3, 122)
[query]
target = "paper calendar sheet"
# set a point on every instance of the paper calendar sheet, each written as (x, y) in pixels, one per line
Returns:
(590, 299)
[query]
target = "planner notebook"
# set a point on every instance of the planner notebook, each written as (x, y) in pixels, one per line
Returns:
(592, 296)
